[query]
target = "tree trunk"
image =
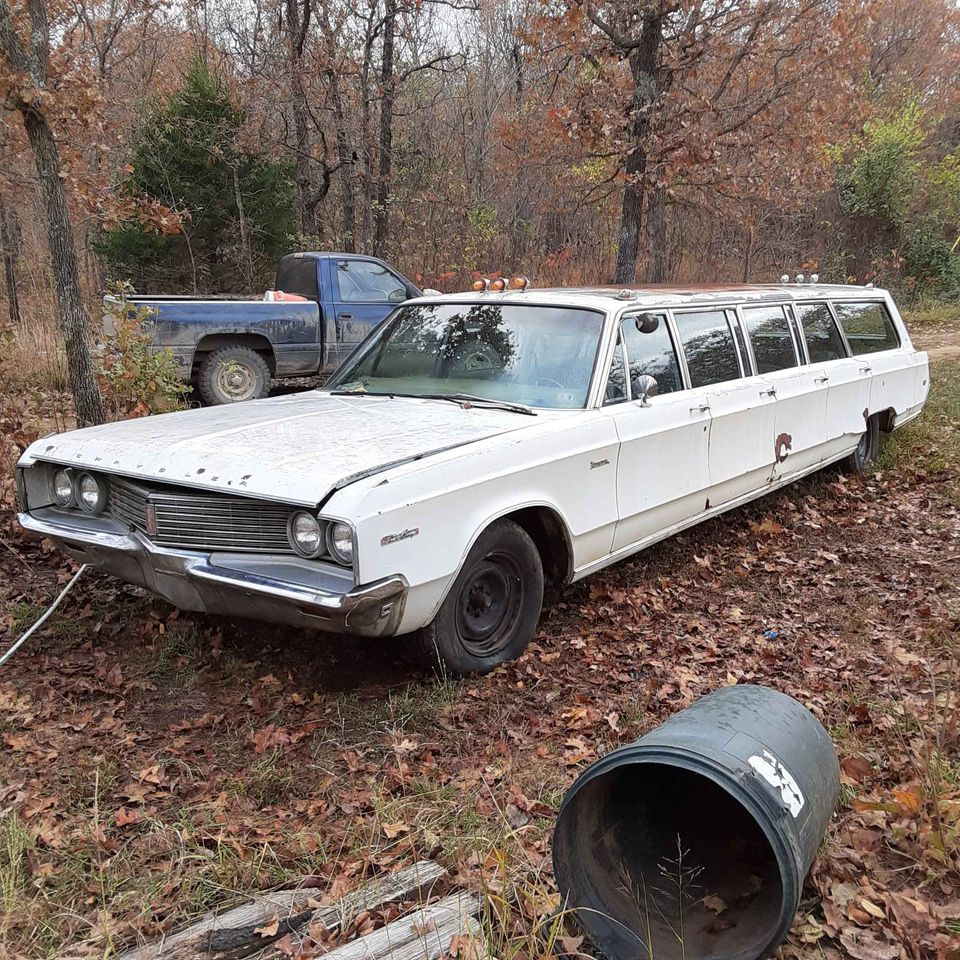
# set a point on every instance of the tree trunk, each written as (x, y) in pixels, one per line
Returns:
(63, 259)
(658, 266)
(297, 23)
(246, 245)
(347, 158)
(643, 67)
(8, 240)
(381, 228)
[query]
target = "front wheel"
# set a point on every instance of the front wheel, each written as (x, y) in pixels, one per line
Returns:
(232, 374)
(868, 449)
(490, 613)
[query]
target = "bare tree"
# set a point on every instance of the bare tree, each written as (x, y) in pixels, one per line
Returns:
(9, 244)
(31, 100)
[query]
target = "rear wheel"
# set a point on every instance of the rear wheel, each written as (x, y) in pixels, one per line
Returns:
(490, 613)
(232, 374)
(868, 449)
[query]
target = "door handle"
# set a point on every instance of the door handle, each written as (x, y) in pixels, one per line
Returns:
(344, 316)
(702, 408)
(823, 379)
(772, 392)
(866, 369)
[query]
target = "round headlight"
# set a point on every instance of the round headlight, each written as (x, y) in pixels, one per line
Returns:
(305, 533)
(63, 488)
(91, 493)
(340, 542)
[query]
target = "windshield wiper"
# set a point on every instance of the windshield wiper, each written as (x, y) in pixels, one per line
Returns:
(461, 398)
(485, 401)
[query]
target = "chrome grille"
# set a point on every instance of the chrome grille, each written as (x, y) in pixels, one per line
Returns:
(192, 520)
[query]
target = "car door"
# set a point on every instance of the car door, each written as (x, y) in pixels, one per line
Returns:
(662, 475)
(847, 386)
(741, 405)
(800, 392)
(364, 293)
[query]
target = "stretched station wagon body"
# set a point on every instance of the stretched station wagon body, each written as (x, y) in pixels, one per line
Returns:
(475, 443)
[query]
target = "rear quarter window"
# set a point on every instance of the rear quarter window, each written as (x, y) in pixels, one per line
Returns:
(298, 275)
(868, 327)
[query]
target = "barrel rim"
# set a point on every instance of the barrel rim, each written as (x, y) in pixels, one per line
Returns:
(720, 775)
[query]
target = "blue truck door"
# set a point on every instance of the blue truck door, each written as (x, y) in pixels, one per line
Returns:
(365, 292)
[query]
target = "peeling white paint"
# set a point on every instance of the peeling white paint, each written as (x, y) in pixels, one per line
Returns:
(781, 779)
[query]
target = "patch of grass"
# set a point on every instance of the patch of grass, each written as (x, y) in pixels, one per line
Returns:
(15, 844)
(925, 316)
(179, 656)
(930, 443)
(25, 614)
(412, 708)
(84, 777)
(265, 782)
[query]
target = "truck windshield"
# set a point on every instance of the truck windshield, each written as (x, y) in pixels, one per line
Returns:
(518, 353)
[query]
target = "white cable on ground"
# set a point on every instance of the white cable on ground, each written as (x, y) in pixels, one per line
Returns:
(53, 606)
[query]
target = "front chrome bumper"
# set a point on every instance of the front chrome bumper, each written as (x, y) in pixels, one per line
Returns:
(282, 589)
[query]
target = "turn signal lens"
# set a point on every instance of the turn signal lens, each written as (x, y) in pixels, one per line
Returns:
(499, 284)
(519, 283)
(63, 488)
(340, 542)
(305, 534)
(480, 284)
(91, 493)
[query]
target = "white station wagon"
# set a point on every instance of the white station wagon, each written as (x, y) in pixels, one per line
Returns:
(475, 443)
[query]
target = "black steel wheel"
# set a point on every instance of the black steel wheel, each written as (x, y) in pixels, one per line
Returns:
(490, 613)
(868, 449)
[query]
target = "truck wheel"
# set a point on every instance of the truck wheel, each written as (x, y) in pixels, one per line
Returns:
(868, 449)
(231, 374)
(490, 613)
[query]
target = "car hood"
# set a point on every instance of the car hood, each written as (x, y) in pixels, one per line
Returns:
(297, 448)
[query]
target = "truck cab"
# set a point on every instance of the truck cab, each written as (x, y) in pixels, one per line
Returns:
(354, 292)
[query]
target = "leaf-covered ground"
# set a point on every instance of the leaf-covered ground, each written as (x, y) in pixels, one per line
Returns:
(156, 763)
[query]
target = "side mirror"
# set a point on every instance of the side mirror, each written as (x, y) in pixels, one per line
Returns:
(643, 387)
(397, 296)
(647, 322)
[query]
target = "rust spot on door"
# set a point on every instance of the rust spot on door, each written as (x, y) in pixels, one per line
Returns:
(782, 446)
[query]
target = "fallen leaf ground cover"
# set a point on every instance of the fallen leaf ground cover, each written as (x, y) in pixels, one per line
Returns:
(156, 763)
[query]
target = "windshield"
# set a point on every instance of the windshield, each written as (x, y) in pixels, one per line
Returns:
(517, 353)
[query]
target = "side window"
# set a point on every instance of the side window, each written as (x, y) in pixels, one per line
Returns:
(820, 332)
(361, 281)
(868, 327)
(650, 350)
(708, 346)
(617, 377)
(770, 337)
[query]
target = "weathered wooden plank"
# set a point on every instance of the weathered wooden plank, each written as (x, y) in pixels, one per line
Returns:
(226, 932)
(422, 934)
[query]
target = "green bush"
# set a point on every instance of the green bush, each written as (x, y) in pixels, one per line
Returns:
(881, 178)
(929, 260)
(136, 378)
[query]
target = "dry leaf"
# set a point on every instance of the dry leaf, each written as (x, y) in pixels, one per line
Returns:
(270, 928)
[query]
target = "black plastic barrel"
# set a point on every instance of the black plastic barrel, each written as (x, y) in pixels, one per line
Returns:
(694, 841)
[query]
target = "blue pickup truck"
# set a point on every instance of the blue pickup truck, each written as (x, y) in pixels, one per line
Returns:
(230, 349)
